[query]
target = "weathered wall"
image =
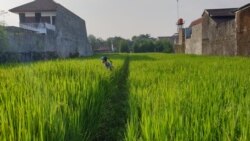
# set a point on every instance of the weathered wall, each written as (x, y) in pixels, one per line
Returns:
(181, 36)
(218, 36)
(71, 34)
(180, 46)
(21, 40)
(206, 49)
(243, 31)
(194, 44)
(69, 39)
(25, 45)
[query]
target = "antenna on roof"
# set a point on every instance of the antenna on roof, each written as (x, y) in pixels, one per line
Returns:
(180, 21)
(178, 16)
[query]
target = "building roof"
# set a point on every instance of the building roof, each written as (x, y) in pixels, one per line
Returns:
(244, 7)
(228, 12)
(195, 22)
(36, 6)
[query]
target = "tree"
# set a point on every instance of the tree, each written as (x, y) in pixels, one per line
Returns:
(124, 46)
(92, 41)
(100, 43)
(163, 46)
(143, 43)
(120, 44)
(97, 42)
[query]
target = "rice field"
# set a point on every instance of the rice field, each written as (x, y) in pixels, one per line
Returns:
(147, 97)
(188, 98)
(53, 101)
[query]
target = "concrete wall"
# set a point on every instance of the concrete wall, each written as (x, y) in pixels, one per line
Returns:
(69, 39)
(181, 36)
(194, 44)
(243, 31)
(26, 45)
(180, 46)
(218, 36)
(21, 40)
(71, 34)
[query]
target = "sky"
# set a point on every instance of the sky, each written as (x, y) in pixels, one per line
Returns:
(126, 18)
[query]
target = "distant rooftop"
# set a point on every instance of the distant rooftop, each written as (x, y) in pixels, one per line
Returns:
(243, 7)
(228, 12)
(195, 22)
(36, 6)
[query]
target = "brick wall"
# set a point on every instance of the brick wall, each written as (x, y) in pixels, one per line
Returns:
(243, 31)
(218, 36)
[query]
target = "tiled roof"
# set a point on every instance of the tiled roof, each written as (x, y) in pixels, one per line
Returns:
(229, 12)
(195, 22)
(36, 6)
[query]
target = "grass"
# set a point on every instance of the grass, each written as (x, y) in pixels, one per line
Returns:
(55, 100)
(189, 98)
(147, 97)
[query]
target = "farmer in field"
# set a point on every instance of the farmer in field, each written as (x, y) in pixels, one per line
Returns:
(107, 64)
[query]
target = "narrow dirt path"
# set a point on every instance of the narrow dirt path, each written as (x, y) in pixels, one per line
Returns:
(114, 115)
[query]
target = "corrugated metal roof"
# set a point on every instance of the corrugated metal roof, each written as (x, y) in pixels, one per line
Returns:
(36, 6)
(228, 12)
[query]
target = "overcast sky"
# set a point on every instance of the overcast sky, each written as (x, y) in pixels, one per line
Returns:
(126, 18)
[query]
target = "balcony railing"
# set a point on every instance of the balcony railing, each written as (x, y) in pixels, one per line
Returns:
(38, 27)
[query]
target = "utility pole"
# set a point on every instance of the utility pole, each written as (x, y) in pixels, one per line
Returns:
(112, 46)
(178, 14)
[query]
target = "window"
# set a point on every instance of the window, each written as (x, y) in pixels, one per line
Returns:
(45, 19)
(22, 17)
(38, 17)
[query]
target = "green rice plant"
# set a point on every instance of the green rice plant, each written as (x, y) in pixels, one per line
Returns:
(54, 100)
(170, 97)
(196, 98)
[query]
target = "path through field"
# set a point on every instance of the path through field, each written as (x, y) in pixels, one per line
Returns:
(114, 116)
